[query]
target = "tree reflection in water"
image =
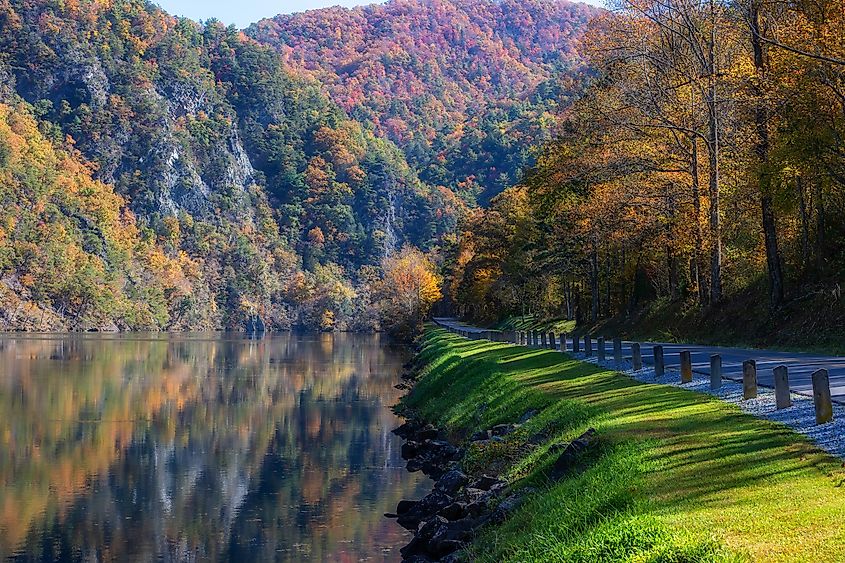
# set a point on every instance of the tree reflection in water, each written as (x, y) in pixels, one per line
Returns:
(199, 447)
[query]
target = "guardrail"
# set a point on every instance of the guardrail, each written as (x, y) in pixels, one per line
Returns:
(822, 400)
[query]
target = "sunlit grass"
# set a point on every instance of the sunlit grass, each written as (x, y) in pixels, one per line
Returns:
(679, 476)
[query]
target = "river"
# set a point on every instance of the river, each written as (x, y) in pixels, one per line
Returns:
(200, 447)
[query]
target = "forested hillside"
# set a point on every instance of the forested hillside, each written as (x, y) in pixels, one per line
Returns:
(695, 191)
(466, 88)
(73, 246)
(279, 203)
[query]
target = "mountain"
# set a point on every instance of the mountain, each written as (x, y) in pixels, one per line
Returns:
(71, 242)
(465, 87)
(221, 161)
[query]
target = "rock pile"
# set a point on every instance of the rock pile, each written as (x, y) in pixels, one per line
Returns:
(447, 518)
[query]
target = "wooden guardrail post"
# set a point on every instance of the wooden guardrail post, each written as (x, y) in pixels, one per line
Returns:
(715, 371)
(552, 341)
(749, 379)
(686, 367)
(543, 343)
(563, 342)
(617, 351)
(636, 357)
(659, 364)
(588, 345)
(600, 348)
(821, 396)
(782, 397)
(576, 344)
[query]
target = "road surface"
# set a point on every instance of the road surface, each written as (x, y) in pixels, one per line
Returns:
(800, 365)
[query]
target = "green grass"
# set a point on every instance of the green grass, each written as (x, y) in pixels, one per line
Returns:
(678, 477)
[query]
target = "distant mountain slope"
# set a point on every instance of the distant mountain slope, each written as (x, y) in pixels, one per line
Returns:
(224, 156)
(464, 87)
(70, 252)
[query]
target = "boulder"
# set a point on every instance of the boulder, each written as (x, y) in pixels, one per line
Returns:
(503, 429)
(414, 465)
(572, 453)
(454, 511)
(405, 505)
(407, 429)
(507, 507)
(485, 482)
(413, 551)
(451, 482)
(428, 528)
(428, 506)
(445, 547)
(410, 449)
(428, 433)
(528, 416)
(480, 436)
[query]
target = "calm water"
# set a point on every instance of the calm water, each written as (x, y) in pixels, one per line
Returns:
(200, 447)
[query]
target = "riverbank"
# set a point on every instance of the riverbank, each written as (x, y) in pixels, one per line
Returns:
(673, 476)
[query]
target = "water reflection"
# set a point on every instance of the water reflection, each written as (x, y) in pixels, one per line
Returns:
(199, 447)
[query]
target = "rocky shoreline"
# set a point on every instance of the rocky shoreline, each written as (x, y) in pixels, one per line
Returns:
(448, 518)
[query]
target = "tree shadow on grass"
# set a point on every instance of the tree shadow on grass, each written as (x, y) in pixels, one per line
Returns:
(704, 449)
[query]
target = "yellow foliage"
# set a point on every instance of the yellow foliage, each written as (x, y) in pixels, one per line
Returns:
(409, 288)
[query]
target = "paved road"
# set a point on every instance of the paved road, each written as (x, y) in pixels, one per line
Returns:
(801, 365)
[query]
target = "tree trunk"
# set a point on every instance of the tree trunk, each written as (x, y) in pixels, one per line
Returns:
(607, 281)
(594, 284)
(761, 122)
(713, 168)
(671, 260)
(821, 241)
(696, 204)
(805, 224)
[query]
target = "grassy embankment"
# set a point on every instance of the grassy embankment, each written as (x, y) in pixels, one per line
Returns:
(677, 476)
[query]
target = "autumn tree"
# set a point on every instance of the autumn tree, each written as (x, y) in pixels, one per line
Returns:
(408, 289)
